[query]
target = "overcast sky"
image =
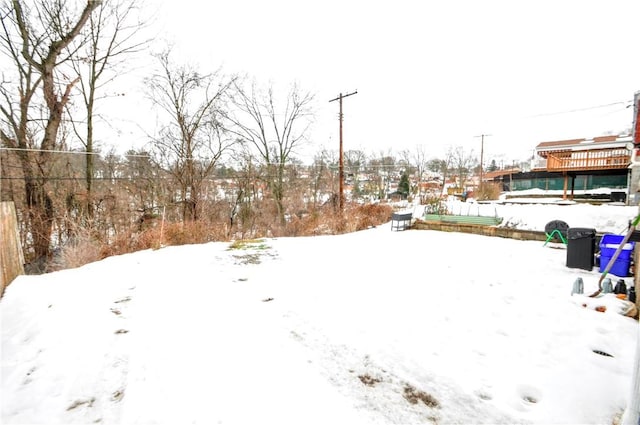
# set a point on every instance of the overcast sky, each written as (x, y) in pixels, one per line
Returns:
(432, 73)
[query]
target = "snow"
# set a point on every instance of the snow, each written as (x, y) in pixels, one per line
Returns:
(326, 329)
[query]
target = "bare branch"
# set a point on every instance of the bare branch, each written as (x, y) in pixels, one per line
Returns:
(275, 143)
(192, 138)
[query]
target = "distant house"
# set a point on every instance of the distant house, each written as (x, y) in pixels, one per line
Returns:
(605, 166)
(597, 168)
(579, 164)
(505, 177)
(583, 155)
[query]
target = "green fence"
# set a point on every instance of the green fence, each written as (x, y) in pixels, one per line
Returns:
(580, 183)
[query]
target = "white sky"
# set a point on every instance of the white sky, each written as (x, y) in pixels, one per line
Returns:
(487, 326)
(430, 73)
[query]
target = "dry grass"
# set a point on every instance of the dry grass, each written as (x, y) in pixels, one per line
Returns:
(169, 234)
(81, 250)
(249, 243)
(368, 380)
(413, 396)
(87, 248)
(353, 219)
(489, 191)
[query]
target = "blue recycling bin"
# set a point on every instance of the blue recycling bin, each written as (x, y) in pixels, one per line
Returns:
(608, 246)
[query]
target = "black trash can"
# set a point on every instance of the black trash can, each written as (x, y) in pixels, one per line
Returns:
(581, 248)
(618, 197)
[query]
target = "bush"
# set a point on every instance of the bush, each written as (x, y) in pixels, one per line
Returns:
(85, 248)
(329, 221)
(78, 251)
(489, 191)
(434, 205)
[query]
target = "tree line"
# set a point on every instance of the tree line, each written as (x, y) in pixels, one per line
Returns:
(222, 162)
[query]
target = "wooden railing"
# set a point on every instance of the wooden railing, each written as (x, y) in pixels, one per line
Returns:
(604, 159)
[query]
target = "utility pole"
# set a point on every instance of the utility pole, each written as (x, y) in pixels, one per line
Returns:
(341, 172)
(482, 136)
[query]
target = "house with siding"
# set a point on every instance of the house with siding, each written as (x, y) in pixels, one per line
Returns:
(598, 167)
(585, 168)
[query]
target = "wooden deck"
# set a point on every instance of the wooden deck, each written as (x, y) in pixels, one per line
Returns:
(602, 159)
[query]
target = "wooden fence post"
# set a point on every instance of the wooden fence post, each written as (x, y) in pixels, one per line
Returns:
(631, 415)
(11, 256)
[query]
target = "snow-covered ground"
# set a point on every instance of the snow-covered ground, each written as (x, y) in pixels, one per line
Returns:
(373, 327)
(534, 213)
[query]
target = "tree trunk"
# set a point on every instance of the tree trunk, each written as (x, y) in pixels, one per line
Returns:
(89, 161)
(44, 60)
(41, 215)
(277, 190)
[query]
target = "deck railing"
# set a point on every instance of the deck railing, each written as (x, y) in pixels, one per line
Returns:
(603, 159)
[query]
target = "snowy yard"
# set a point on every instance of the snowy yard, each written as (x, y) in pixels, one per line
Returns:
(373, 327)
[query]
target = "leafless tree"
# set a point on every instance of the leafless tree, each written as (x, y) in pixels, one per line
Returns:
(243, 196)
(324, 178)
(272, 131)
(441, 166)
(35, 39)
(144, 187)
(354, 161)
(192, 139)
(417, 159)
(384, 167)
(112, 37)
(462, 162)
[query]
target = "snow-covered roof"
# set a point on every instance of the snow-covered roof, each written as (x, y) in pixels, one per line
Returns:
(602, 142)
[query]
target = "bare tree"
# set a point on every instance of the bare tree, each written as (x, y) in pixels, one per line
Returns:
(323, 175)
(462, 163)
(243, 196)
(384, 168)
(112, 37)
(35, 40)
(272, 131)
(144, 188)
(418, 159)
(442, 167)
(354, 161)
(192, 140)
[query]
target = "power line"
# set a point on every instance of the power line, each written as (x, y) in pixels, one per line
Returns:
(65, 152)
(93, 178)
(588, 108)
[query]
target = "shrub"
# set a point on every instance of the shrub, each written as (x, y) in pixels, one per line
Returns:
(434, 205)
(489, 191)
(78, 251)
(86, 248)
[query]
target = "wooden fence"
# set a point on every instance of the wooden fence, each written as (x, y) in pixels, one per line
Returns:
(11, 256)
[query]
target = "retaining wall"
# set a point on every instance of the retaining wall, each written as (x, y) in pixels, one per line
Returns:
(503, 232)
